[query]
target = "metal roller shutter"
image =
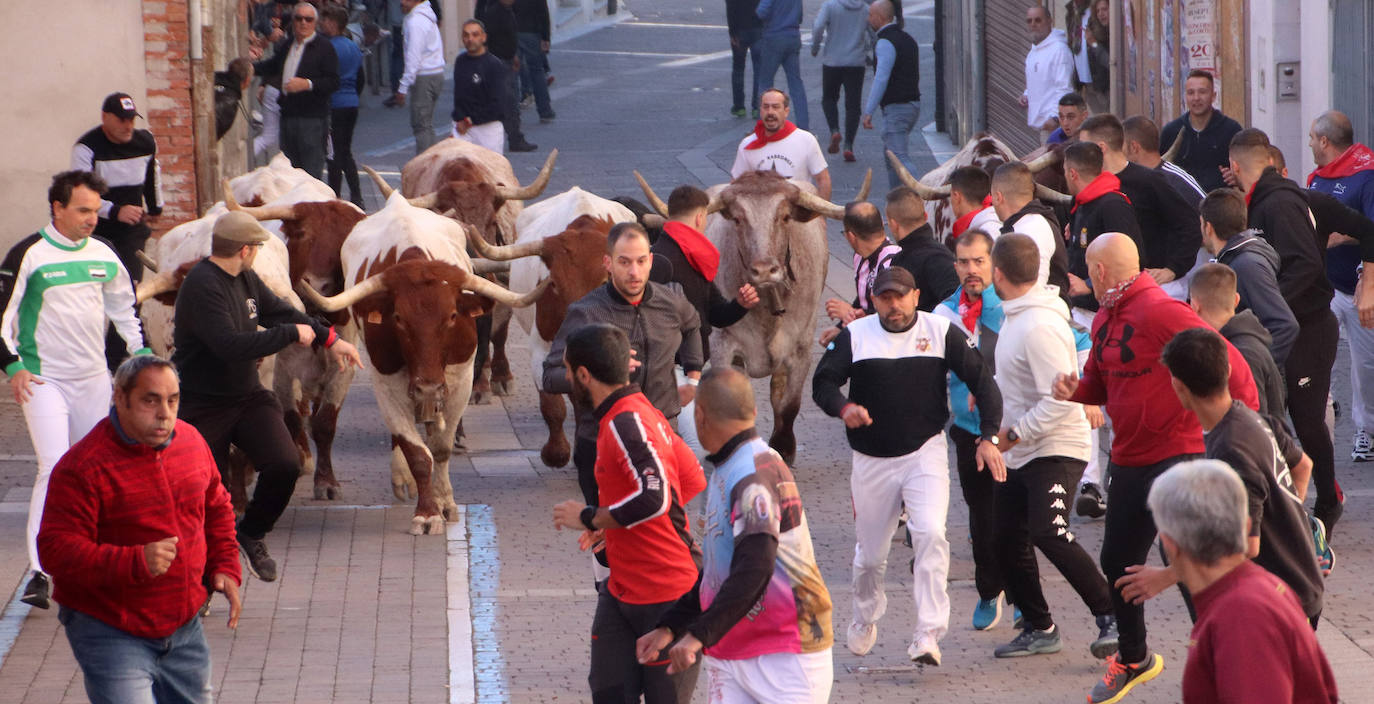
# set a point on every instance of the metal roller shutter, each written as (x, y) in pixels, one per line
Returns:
(1352, 65)
(1006, 44)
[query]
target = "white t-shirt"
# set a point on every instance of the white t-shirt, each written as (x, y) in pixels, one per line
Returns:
(798, 155)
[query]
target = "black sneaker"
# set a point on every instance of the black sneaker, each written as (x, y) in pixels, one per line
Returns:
(1121, 678)
(523, 146)
(1031, 642)
(38, 592)
(259, 562)
(1090, 503)
(1107, 640)
(1330, 513)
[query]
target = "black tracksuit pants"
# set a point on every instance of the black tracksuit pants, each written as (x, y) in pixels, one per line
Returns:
(253, 424)
(1032, 508)
(1129, 532)
(978, 490)
(342, 167)
(616, 677)
(851, 79)
(1308, 377)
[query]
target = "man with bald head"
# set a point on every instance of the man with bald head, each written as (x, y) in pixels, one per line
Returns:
(761, 610)
(1152, 431)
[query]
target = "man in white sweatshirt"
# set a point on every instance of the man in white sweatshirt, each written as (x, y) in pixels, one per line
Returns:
(423, 79)
(1045, 445)
(1049, 72)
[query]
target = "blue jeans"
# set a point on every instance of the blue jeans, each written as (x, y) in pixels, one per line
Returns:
(532, 73)
(784, 51)
(748, 44)
(123, 669)
(899, 119)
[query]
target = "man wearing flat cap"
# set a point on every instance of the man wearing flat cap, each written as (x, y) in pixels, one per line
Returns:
(219, 309)
(126, 160)
(894, 415)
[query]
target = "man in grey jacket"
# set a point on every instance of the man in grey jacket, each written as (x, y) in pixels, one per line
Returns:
(661, 325)
(842, 25)
(1256, 264)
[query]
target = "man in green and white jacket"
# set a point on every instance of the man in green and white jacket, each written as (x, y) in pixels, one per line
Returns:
(58, 287)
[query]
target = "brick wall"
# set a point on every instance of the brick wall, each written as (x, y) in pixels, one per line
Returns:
(168, 111)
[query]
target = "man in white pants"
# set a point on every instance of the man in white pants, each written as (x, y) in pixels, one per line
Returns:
(895, 413)
(58, 288)
(479, 91)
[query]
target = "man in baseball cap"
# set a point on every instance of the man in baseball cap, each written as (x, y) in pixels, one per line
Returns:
(120, 105)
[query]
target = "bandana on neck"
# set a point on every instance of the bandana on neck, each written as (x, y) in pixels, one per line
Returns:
(1114, 294)
(962, 223)
(1352, 161)
(969, 310)
(761, 136)
(700, 253)
(1106, 182)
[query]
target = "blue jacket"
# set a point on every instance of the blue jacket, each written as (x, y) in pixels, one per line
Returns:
(780, 17)
(989, 324)
(350, 61)
(1356, 191)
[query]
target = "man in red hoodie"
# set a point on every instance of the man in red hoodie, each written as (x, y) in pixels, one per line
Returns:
(135, 526)
(1152, 431)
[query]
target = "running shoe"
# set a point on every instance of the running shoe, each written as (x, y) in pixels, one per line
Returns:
(1090, 503)
(849, 155)
(835, 139)
(260, 563)
(1106, 643)
(924, 651)
(1031, 642)
(1120, 679)
(38, 592)
(738, 112)
(987, 613)
(861, 637)
(1326, 557)
(1364, 448)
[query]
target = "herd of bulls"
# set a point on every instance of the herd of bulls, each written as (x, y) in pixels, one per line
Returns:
(417, 281)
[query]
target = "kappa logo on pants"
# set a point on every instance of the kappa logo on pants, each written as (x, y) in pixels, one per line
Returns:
(1058, 489)
(1057, 503)
(1059, 520)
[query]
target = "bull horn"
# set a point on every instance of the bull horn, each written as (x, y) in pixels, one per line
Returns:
(922, 190)
(716, 205)
(1044, 161)
(330, 304)
(1049, 195)
(817, 204)
(654, 200)
(259, 212)
(424, 202)
(1173, 149)
(482, 267)
(867, 184)
(651, 221)
(381, 182)
(503, 295)
(502, 252)
(162, 283)
(146, 261)
(535, 187)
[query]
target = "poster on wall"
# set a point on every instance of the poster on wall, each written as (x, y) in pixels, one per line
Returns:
(1132, 63)
(1200, 38)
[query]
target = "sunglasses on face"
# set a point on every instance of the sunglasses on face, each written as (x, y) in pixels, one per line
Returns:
(303, 18)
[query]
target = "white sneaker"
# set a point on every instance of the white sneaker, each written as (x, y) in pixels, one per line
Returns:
(862, 637)
(1363, 450)
(924, 651)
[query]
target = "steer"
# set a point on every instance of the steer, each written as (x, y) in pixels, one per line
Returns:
(411, 288)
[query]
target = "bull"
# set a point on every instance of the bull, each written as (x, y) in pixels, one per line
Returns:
(413, 292)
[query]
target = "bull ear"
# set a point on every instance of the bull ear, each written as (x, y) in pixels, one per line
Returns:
(801, 214)
(473, 305)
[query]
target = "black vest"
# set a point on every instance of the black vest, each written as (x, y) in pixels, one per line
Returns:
(903, 85)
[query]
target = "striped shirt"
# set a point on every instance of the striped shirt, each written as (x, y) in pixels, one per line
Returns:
(1183, 182)
(129, 169)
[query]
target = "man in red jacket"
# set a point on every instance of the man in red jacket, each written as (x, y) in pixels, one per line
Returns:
(1135, 320)
(135, 526)
(645, 475)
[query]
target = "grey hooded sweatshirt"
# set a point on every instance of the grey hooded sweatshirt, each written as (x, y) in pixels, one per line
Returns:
(846, 23)
(1257, 266)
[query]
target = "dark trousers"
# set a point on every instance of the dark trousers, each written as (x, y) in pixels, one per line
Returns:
(254, 425)
(342, 166)
(511, 110)
(744, 44)
(616, 677)
(977, 488)
(533, 72)
(302, 141)
(1129, 531)
(127, 245)
(851, 79)
(398, 56)
(1308, 377)
(1033, 512)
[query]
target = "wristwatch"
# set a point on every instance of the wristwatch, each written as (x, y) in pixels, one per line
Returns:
(1013, 436)
(993, 439)
(588, 516)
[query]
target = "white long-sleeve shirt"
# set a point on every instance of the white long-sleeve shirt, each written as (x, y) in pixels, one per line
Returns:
(1049, 75)
(55, 298)
(1034, 346)
(423, 46)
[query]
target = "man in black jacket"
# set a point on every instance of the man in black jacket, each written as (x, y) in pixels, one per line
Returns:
(1206, 134)
(745, 28)
(929, 261)
(503, 43)
(1278, 209)
(309, 74)
(219, 308)
(1099, 206)
(1013, 197)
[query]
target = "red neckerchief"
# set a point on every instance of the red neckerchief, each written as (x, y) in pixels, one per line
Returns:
(1352, 161)
(700, 253)
(1250, 192)
(962, 223)
(1114, 294)
(761, 136)
(969, 310)
(1106, 182)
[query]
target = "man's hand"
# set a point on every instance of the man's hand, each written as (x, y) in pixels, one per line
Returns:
(1364, 301)
(855, 416)
(815, 49)
(1229, 177)
(651, 644)
(1143, 582)
(1161, 276)
(594, 540)
(684, 654)
(635, 364)
(835, 308)
(868, 122)
(463, 125)
(1078, 287)
(159, 555)
(828, 335)
(515, 63)
(748, 296)
(226, 585)
(1064, 386)
(1336, 239)
(544, 47)
(1024, 101)
(1095, 417)
(734, 42)
(255, 51)
(19, 384)
(685, 394)
(305, 335)
(296, 85)
(1050, 124)
(346, 354)
(129, 214)
(988, 457)
(399, 99)
(568, 515)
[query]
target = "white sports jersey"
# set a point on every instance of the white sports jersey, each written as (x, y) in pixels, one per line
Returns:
(56, 295)
(798, 155)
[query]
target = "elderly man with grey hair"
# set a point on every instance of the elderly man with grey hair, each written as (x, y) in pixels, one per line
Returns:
(1251, 641)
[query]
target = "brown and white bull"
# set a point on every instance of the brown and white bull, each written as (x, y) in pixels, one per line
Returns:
(411, 288)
